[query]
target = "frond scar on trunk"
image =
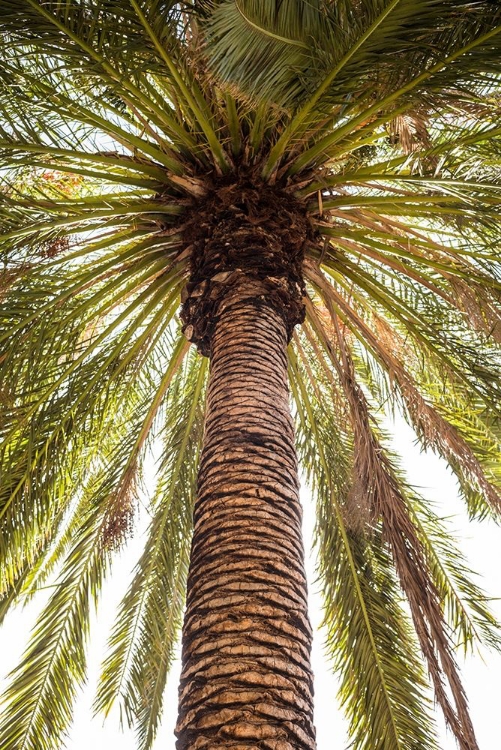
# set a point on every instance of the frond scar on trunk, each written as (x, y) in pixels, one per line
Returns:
(247, 242)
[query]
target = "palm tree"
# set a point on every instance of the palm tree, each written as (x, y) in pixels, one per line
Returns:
(317, 185)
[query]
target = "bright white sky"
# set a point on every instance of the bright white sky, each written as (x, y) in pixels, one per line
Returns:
(482, 676)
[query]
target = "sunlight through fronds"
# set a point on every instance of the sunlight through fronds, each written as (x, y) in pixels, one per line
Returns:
(125, 127)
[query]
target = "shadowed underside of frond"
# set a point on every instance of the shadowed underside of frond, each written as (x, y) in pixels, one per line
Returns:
(141, 144)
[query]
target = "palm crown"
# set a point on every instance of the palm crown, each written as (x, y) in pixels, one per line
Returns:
(127, 128)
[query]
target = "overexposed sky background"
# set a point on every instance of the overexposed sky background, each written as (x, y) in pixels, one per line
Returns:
(481, 674)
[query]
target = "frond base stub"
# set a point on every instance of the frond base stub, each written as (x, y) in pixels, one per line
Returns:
(249, 240)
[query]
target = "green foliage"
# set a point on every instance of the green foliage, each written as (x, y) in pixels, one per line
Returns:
(383, 684)
(145, 634)
(116, 118)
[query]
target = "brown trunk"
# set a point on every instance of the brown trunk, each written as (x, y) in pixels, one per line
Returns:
(246, 680)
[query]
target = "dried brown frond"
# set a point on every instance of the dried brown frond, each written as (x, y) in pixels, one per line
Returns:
(429, 424)
(480, 307)
(391, 350)
(385, 502)
(9, 276)
(355, 509)
(338, 400)
(410, 132)
(358, 514)
(358, 510)
(377, 479)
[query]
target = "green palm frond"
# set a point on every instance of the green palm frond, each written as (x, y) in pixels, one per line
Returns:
(459, 603)
(104, 318)
(146, 631)
(99, 524)
(384, 498)
(124, 128)
(413, 377)
(55, 659)
(253, 44)
(271, 48)
(368, 638)
(466, 607)
(457, 447)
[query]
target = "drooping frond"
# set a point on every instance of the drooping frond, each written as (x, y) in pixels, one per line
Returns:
(96, 325)
(383, 688)
(146, 631)
(54, 662)
(412, 336)
(125, 128)
(384, 497)
(375, 509)
(465, 605)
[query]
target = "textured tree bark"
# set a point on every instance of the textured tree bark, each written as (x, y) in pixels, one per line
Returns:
(246, 680)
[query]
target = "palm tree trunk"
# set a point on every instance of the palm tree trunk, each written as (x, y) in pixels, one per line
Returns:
(246, 680)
